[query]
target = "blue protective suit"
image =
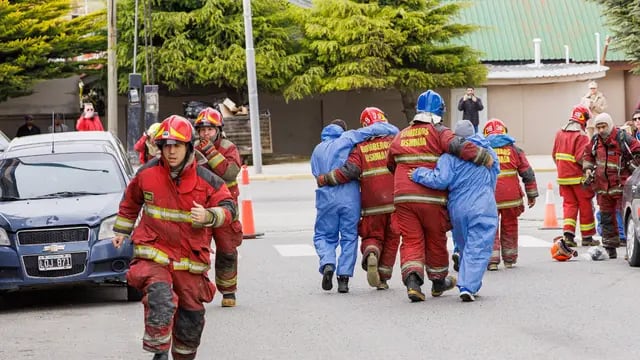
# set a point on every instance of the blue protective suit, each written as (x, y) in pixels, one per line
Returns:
(338, 207)
(472, 209)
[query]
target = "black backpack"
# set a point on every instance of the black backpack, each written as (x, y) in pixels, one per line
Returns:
(627, 157)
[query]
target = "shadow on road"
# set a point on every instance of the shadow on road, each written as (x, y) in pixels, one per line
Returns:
(80, 297)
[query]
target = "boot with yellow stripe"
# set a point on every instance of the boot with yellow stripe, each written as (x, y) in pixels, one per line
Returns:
(414, 292)
(570, 240)
(228, 300)
(439, 286)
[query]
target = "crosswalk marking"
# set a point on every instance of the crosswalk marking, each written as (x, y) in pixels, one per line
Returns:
(296, 250)
(292, 250)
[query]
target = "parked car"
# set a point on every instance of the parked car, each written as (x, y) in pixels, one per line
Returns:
(630, 209)
(4, 141)
(59, 195)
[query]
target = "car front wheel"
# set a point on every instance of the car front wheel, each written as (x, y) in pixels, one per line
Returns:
(633, 248)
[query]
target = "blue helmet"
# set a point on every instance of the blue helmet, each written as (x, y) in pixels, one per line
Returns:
(431, 102)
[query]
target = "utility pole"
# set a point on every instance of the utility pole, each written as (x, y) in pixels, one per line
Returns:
(252, 87)
(112, 70)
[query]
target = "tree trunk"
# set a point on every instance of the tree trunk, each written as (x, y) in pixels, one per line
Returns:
(408, 104)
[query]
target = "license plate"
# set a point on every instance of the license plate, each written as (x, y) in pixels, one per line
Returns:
(54, 262)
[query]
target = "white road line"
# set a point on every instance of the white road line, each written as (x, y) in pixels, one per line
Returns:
(296, 250)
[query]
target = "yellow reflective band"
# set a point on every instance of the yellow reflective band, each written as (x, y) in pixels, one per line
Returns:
(167, 214)
(226, 282)
(585, 227)
(385, 270)
(123, 224)
(232, 183)
(504, 173)
(183, 350)
(376, 210)
(569, 181)
(436, 270)
(376, 171)
(156, 340)
(193, 267)
(570, 222)
(509, 204)
(151, 253)
(509, 251)
(416, 158)
(216, 160)
(440, 200)
(565, 157)
(218, 216)
(412, 264)
(609, 164)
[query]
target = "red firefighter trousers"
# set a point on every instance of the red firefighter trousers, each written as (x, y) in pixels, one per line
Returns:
(227, 239)
(608, 206)
(173, 307)
(379, 235)
(506, 241)
(577, 199)
(424, 239)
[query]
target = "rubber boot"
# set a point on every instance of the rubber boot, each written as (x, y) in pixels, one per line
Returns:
(228, 300)
(589, 241)
(613, 253)
(569, 239)
(439, 286)
(414, 292)
(343, 284)
(455, 257)
(373, 277)
(161, 356)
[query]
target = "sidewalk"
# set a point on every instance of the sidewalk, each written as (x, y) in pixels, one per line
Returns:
(302, 170)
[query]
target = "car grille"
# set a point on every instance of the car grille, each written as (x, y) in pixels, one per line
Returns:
(50, 236)
(78, 261)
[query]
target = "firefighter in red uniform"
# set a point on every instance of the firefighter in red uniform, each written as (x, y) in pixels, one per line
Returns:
(380, 238)
(513, 162)
(421, 212)
(223, 158)
(568, 150)
(609, 161)
(181, 202)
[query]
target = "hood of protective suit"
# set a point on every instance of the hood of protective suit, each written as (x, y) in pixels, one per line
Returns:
(331, 131)
(500, 140)
(464, 128)
(604, 118)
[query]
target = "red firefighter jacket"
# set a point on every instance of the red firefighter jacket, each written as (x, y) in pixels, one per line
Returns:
(513, 162)
(368, 161)
(165, 231)
(612, 160)
(567, 153)
(421, 144)
(89, 124)
(225, 162)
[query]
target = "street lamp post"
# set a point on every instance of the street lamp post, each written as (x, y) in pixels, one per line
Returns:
(112, 70)
(254, 111)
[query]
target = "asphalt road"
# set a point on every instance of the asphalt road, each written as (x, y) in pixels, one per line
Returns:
(541, 309)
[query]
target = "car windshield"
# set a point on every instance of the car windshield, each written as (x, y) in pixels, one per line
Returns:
(59, 175)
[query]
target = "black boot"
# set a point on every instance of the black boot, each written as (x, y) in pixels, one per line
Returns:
(414, 292)
(613, 253)
(439, 286)
(455, 257)
(569, 239)
(228, 300)
(161, 356)
(327, 277)
(343, 284)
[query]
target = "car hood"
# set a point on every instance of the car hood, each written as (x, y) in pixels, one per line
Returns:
(75, 210)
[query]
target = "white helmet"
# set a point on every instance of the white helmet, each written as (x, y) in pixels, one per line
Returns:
(597, 253)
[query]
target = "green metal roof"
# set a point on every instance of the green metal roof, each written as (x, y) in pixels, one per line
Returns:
(509, 27)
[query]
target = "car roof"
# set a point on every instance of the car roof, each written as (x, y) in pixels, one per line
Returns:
(75, 147)
(63, 137)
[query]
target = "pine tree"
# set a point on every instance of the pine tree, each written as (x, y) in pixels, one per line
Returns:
(201, 43)
(403, 44)
(623, 18)
(38, 40)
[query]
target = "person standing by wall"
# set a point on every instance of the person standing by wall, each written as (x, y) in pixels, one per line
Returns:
(29, 128)
(89, 120)
(471, 105)
(596, 102)
(58, 125)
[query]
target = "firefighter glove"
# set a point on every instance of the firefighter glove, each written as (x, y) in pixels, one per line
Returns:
(207, 149)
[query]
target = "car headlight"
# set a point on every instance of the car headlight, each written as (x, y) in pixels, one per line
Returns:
(4, 238)
(106, 228)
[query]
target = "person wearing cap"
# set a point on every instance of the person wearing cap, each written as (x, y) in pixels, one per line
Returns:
(596, 102)
(567, 154)
(178, 203)
(338, 207)
(609, 159)
(380, 237)
(28, 128)
(421, 212)
(146, 146)
(471, 205)
(509, 195)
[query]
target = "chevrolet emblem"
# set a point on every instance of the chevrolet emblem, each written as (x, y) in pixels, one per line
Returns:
(53, 248)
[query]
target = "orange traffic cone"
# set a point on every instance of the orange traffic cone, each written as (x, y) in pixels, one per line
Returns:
(550, 219)
(246, 207)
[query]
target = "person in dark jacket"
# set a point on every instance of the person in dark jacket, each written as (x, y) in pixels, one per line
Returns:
(471, 105)
(29, 128)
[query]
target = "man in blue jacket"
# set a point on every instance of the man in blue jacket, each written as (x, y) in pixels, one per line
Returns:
(471, 205)
(338, 207)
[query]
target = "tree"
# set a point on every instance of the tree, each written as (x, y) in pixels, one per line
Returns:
(201, 43)
(623, 17)
(38, 40)
(387, 44)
